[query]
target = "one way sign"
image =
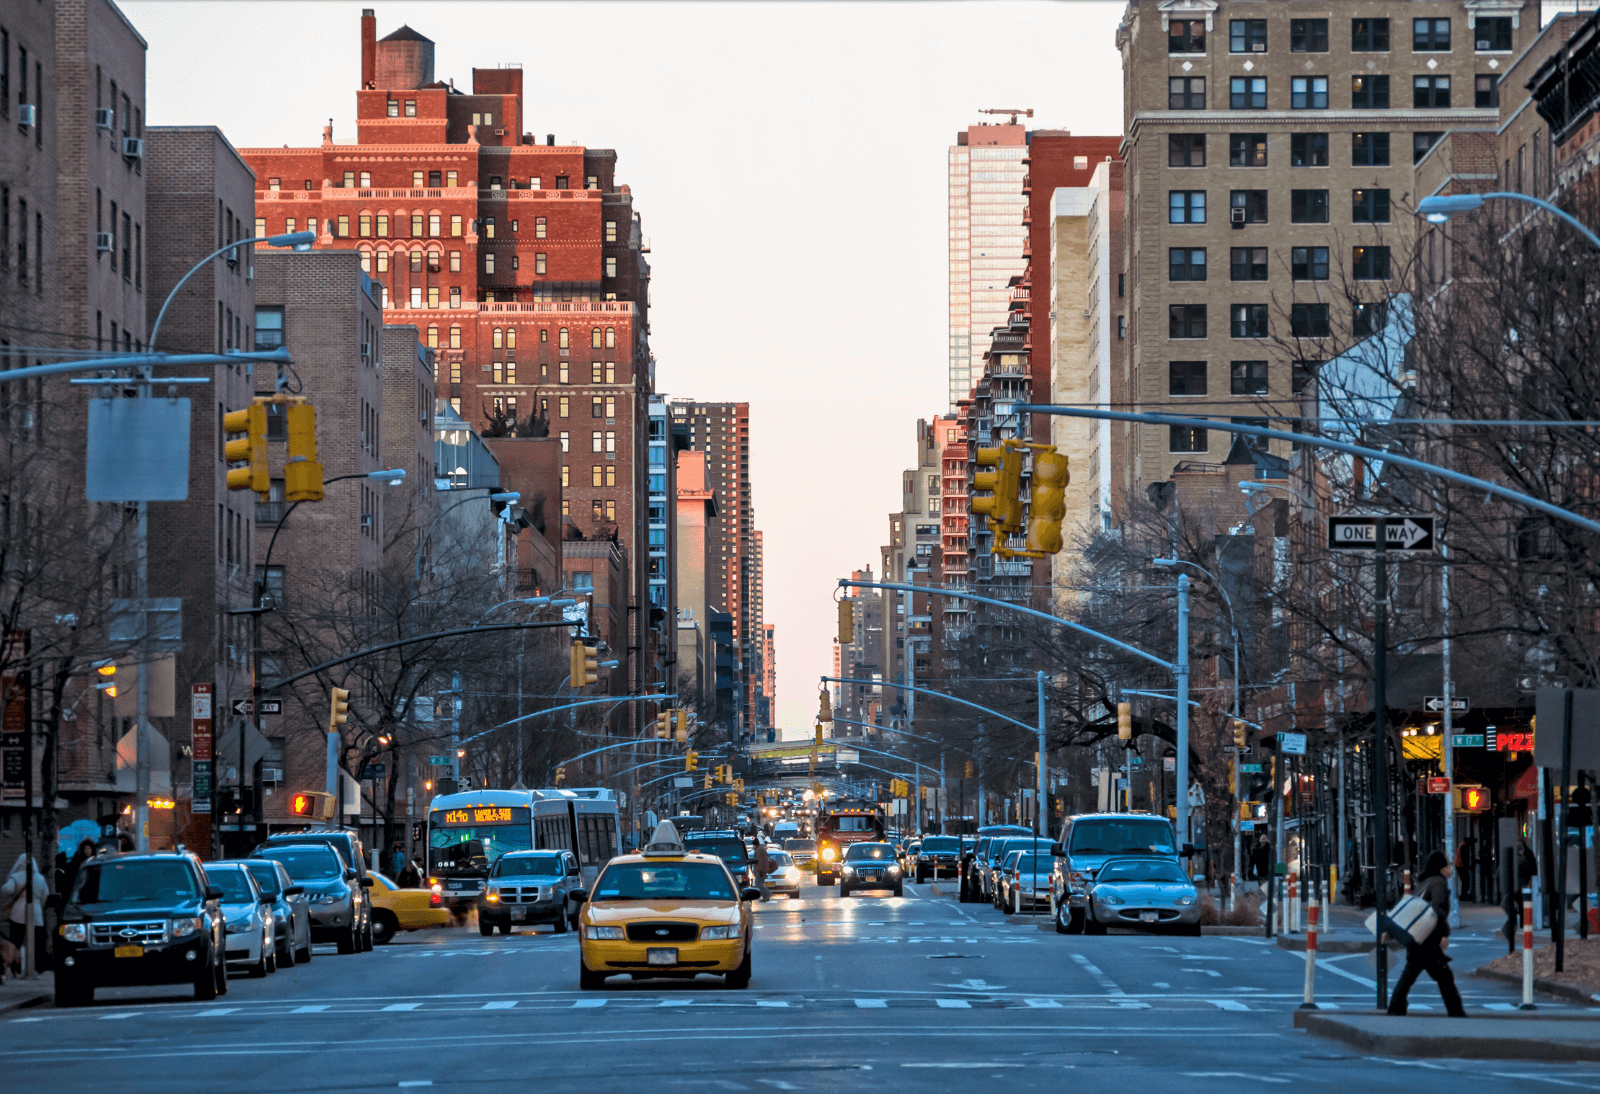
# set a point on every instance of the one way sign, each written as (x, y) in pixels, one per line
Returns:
(1361, 533)
(268, 706)
(1435, 703)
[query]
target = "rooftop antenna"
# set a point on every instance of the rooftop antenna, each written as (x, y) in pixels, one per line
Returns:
(1008, 110)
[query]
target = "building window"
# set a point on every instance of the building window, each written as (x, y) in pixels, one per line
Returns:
(1369, 263)
(539, 263)
(1247, 378)
(456, 226)
(433, 296)
(1252, 202)
(1369, 149)
(497, 338)
(1186, 207)
(561, 373)
(1308, 36)
(1186, 36)
(1308, 320)
(611, 441)
(611, 408)
(1247, 149)
(487, 227)
(1421, 143)
(563, 339)
(1430, 92)
(1247, 93)
(1186, 321)
(591, 182)
(1182, 438)
(1247, 35)
(1485, 90)
(539, 227)
(1308, 206)
(1370, 35)
(383, 261)
(488, 262)
(344, 227)
(349, 180)
(1247, 263)
(416, 225)
(411, 108)
(1492, 34)
(611, 338)
(416, 180)
(394, 108)
(1369, 93)
(1308, 263)
(564, 407)
(1369, 206)
(1308, 150)
(455, 296)
(433, 225)
(611, 231)
(1186, 93)
(383, 225)
(1308, 93)
(611, 265)
(1248, 321)
(595, 405)
(1370, 318)
(561, 182)
(594, 338)
(1430, 35)
(364, 225)
(1186, 264)
(455, 337)
(1186, 150)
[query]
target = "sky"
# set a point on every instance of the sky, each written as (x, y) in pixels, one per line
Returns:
(788, 160)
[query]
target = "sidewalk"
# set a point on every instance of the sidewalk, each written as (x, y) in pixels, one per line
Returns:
(1579, 981)
(16, 994)
(1509, 1037)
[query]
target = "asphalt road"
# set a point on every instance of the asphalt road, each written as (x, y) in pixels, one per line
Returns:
(910, 994)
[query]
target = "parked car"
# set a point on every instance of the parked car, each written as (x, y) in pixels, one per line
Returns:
(938, 856)
(347, 844)
(1088, 842)
(138, 919)
(291, 910)
(248, 911)
(999, 849)
(785, 876)
(528, 887)
(1025, 881)
(330, 886)
(974, 858)
(1144, 893)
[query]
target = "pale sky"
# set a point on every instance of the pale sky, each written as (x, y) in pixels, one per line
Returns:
(788, 160)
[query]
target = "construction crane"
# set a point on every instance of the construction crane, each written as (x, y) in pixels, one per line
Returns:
(1008, 110)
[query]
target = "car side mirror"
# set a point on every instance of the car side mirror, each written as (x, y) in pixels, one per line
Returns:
(748, 894)
(266, 899)
(349, 875)
(213, 893)
(1058, 851)
(366, 883)
(580, 895)
(294, 890)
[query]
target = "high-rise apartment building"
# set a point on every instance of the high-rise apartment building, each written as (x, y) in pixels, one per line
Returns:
(1269, 153)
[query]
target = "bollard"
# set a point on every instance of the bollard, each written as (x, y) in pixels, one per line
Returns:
(1327, 924)
(1527, 950)
(1294, 897)
(1408, 883)
(1016, 899)
(1308, 1003)
(1333, 882)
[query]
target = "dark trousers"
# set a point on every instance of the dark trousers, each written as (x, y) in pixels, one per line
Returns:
(1427, 958)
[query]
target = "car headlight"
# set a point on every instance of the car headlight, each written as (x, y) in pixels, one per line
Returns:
(183, 928)
(73, 932)
(239, 926)
(829, 854)
(333, 897)
(492, 896)
(848, 871)
(605, 934)
(1108, 898)
(1185, 900)
(894, 869)
(713, 934)
(792, 873)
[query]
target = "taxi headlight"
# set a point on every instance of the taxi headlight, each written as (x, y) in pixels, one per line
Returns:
(713, 934)
(792, 873)
(73, 932)
(605, 934)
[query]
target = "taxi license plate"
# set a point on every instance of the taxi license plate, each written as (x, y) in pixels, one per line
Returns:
(659, 955)
(129, 951)
(1147, 917)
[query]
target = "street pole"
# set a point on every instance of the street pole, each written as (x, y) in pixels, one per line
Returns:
(1453, 882)
(141, 803)
(982, 797)
(1181, 671)
(455, 729)
(1041, 825)
(1380, 759)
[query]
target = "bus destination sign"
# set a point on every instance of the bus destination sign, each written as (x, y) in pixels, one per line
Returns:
(494, 814)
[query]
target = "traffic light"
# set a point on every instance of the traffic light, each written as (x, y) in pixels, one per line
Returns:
(108, 678)
(338, 709)
(708, 781)
(1239, 735)
(691, 761)
(824, 709)
(664, 724)
(561, 774)
(681, 734)
(1471, 799)
(312, 805)
(1004, 509)
(847, 623)
(1125, 723)
(585, 664)
(302, 474)
(1047, 499)
(970, 771)
(732, 799)
(250, 449)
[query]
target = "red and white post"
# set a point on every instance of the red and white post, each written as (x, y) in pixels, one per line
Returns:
(1294, 902)
(1527, 950)
(1309, 1003)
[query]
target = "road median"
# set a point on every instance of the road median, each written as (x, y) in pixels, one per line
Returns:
(1547, 1038)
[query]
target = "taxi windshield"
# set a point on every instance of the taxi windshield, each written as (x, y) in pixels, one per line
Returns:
(869, 851)
(664, 881)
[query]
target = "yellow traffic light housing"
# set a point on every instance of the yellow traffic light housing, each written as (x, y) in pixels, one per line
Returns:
(824, 709)
(1239, 735)
(302, 474)
(585, 667)
(338, 709)
(681, 733)
(707, 785)
(1125, 723)
(847, 623)
(561, 774)
(249, 449)
(691, 761)
(1047, 500)
(664, 724)
(1004, 509)
(312, 805)
(969, 771)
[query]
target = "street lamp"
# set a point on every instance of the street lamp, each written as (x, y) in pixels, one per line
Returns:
(1440, 207)
(1253, 488)
(300, 241)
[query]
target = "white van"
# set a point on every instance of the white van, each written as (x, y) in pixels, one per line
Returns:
(785, 830)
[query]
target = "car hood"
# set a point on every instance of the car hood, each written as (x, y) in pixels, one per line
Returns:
(620, 912)
(318, 888)
(528, 879)
(1140, 891)
(129, 913)
(234, 910)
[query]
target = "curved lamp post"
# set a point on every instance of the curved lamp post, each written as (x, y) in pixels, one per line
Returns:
(1440, 207)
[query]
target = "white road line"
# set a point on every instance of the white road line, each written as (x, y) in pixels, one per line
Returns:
(1042, 1004)
(588, 1004)
(315, 1008)
(499, 1004)
(771, 1003)
(1227, 1004)
(872, 1004)
(402, 1006)
(1108, 985)
(212, 1012)
(954, 1004)
(1233, 1075)
(415, 1082)
(1327, 963)
(114, 1017)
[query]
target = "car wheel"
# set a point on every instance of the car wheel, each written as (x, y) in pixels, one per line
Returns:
(899, 891)
(269, 955)
(739, 978)
(205, 985)
(259, 969)
(366, 937)
(384, 926)
(1063, 919)
(485, 928)
(286, 954)
(221, 973)
(505, 928)
(589, 981)
(921, 877)
(561, 925)
(303, 955)
(347, 940)
(1091, 925)
(1007, 907)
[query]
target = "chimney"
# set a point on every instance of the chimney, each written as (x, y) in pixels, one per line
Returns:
(550, 139)
(369, 48)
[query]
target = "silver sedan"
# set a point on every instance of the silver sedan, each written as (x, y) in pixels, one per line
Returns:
(1144, 893)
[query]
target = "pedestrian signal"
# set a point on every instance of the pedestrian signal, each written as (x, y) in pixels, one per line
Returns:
(312, 805)
(1471, 799)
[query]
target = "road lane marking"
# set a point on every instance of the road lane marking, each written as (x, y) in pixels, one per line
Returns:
(872, 1004)
(499, 1004)
(954, 1004)
(114, 1017)
(1042, 1004)
(314, 1008)
(1227, 1004)
(1208, 972)
(211, 1012)
(588, 1004)
(402, 1006)
(415, 1082)
(1233, 1075)
(771, 1003)
(961, 1065)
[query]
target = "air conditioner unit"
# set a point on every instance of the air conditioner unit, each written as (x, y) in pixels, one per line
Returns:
(499, 132)
(105, 118)
(366, 349)
(133, 148)
(27, 116)
(366, 520)
(1483, 45)
(1258, 47)
(102, 242)
(1236, 216)
(272, 774)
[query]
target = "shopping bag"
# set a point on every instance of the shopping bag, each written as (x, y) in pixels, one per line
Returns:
(1409, 922)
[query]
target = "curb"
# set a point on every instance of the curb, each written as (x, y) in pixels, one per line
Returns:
(25, 1003)
(1464, 1045)
(1342, 943)
(1556, 988)
(1230, 929)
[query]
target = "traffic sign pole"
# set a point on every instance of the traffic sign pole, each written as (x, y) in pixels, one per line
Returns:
(1380, 757)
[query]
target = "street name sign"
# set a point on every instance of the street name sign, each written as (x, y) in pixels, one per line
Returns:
(1361, 533)
(1252, 769)
(1467, 740)
(439, 761)
(1435, 703)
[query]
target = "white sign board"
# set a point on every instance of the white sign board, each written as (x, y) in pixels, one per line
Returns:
(1293, 744)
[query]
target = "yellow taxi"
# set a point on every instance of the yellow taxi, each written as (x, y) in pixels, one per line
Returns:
(666, 912)
(395, 909)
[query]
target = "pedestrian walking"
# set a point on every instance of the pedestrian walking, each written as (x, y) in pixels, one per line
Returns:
(760, 866)
(1428, 956)
(1518, 873)
(86, 851)
(397, 860)
(1261, 860)
(14, 906)
(410, 877)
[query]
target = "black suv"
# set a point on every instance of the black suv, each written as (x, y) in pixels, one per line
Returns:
(138, 919)
(727, 845)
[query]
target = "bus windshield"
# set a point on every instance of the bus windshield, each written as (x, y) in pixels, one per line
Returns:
(475, 846)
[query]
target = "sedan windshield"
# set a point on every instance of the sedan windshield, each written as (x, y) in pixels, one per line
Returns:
(529, 866)
(869, 852)
(940, 843)
(161, 881)
(799, 845)
(231, 880)
(729, 850)
(779, 860)
(265, 871)
(308, 863)
(1034, 864)
(664, 881)
(1122, 837)
(1141, 871)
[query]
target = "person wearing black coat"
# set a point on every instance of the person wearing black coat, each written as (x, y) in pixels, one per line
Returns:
(1428, 956)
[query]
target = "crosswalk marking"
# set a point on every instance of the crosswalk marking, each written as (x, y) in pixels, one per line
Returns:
(402, 1006)
(315, 1008)
(499, 1004)
(872, 1004)
(954, 1004)
(1042, 1003)
(588, 1004)
(1499, 1006)
(1227, 1004)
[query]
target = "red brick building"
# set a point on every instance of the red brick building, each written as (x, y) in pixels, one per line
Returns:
(521, 263)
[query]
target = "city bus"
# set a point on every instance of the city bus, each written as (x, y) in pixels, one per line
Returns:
(469, 831)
